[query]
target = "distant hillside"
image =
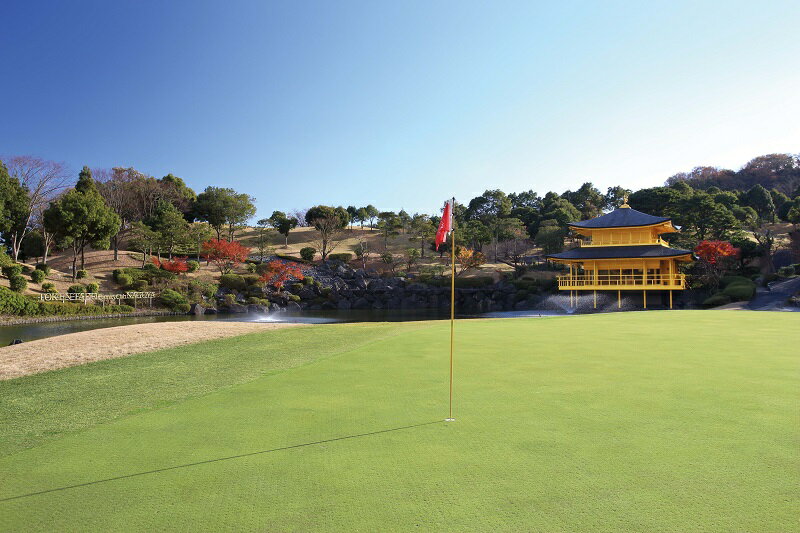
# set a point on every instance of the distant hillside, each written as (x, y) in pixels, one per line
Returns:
(773, 171)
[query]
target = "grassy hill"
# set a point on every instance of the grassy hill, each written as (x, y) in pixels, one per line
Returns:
(589, 423)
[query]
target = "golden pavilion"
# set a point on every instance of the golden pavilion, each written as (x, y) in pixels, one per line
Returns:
(623, 251)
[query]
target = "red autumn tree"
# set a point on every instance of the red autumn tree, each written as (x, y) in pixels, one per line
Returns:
(279, 272)
(177, 265)
(225, 255)
(715, 257)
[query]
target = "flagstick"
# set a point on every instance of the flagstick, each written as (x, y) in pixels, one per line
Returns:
(452, 306)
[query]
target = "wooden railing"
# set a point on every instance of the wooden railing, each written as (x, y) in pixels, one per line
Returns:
(621, 242)
(622, 281)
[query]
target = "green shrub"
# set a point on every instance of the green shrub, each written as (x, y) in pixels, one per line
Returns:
(11, 270)
(787, 271)
(740, 291)
(44, 267)
(93, 288)
(729, 280)
(526, 284)
(174, 300)
(140, 285)
(124, 280)
(474, 283)
(81, 274)
(206, 289)
(230, 299)
(252, 279)
(232, 281)
(251, 267)
(194, 266)
(76, 289)
(26, 269)
(343, 257)
(258, 301)
(716, 300)
(308, 280)
(37, 276)
(293, 298)
(49, 288)
(4, 259)
(308, 253)
(12, 303)
(17, 283)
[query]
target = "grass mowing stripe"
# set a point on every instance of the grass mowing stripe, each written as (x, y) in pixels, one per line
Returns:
(42, 407)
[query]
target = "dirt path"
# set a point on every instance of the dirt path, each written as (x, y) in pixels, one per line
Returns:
(109, 343)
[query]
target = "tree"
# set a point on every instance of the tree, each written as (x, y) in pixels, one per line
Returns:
(760, 199)
(170, 226)
(404, 219)
(490, 205)
(14, 209)
(412, 258)
(199, 232)
(222, 207)
(279, 272)
(559, 209)
(262, 242)
(142, 239)
(550, 237)
(793, 214)
(225, 255)
(330, 223)
(122, 190)
(372, 213)
(704, 217)
(587, 199)
(283, 224)
(388, 224)
(178, 265)
(423, 229)
(615, 197)
(42, 181)
(81, 217)
(504, 229)
(468, 259)
(715, 257)
(361, 216)
(352, 213)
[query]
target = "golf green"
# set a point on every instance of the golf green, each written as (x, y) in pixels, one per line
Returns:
(650, 421)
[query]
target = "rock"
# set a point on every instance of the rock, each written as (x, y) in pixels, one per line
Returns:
(274, 307)
(255, 308)
(293, 306)
(361, 303)
(197, 309)
(210, 310)
(343, 305)
(15, 341)
(236, 308)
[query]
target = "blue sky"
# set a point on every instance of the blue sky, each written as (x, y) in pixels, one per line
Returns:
(399, 104)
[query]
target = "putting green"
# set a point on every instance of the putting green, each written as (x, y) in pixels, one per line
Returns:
(657, 421)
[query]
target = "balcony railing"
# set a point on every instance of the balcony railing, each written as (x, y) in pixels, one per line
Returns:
(622, 281)
(621, 242)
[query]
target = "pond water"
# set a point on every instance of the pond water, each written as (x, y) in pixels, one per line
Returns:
(29, 332)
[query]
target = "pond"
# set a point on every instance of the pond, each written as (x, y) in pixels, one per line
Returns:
(29, 332)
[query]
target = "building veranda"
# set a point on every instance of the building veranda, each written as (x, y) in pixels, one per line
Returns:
(623, 251)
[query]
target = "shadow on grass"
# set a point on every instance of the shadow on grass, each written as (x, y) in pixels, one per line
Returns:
(217, 460)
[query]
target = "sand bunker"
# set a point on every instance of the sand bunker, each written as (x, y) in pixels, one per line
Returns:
(109, 343)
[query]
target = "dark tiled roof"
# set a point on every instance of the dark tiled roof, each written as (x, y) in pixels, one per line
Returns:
(621, 217)
(619, 252)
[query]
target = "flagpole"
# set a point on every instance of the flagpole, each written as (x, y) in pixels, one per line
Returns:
(452, 301)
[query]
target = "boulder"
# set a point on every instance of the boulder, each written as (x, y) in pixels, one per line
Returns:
(361, 303)
(236, 308)
(197, 309)
(293, 306)
(343, 305)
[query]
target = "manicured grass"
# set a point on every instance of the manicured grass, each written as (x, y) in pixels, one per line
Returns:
(658, 421)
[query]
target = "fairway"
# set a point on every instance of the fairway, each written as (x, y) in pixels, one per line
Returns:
(650, 421)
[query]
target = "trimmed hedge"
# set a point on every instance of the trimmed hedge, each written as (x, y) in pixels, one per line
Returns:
(17, 283)
(174, 300)
(12, 303)
(12, 270)
(194, 266)
(308, 253)
(205, 289)
(93, 288)
(233, 282)
(729, 280)
(44, 267)
(37, 276)
(740, 291)
(49, 287)
(81, 274)
(76, 289)
(124, 280)
(716, 300)
(343, 257)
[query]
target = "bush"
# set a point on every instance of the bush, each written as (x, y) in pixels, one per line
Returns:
(12, 303)
(76, 289)
(251, 267)
(93, 288)
(44, 267)
(49, 287)
(769, 278)
(124, 280)
(474, 283)
(716, 300)
(740, 291)
(233, 282)
(174, 300)
(293, 298)
(343, 257)
(787, 271)
(140, 285)
(17, 283)
(230, 299)
(80, 274)
(252, 280)
(194, 266)
(308, 253)
(729, 280)
(5, 259)
(205, 289)
(308, 280)
(37, 276)
(12, 270)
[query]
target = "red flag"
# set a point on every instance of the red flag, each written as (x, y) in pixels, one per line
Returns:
(446, 225)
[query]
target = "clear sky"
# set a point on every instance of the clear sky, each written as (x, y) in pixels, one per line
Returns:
(399, 104)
